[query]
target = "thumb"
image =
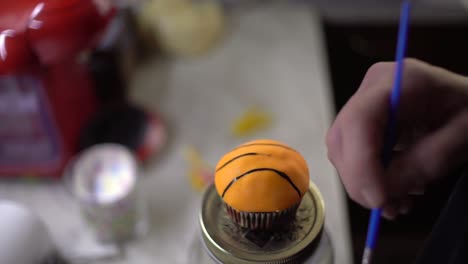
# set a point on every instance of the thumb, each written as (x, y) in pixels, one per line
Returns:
(430, 158)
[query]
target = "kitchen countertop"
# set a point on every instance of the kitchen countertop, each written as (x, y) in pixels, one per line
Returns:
(273, 57)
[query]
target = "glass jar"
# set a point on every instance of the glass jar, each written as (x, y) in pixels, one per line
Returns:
(302, 241)
(104, 180)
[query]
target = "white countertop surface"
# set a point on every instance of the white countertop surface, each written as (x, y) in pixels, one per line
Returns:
(271, 57)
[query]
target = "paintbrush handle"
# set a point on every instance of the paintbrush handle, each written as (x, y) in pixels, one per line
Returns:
(390, 138)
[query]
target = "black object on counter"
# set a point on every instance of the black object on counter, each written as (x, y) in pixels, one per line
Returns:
(123, 124)
(110, 86)
(113, 61)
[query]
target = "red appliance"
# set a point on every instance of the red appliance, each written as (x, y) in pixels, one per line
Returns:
(46, 93)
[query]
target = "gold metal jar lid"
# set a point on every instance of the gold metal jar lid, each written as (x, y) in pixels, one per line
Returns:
(229, 243)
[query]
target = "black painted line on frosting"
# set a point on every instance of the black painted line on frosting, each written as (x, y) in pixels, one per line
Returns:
(280, 173)
(266, 144)
(240, 156)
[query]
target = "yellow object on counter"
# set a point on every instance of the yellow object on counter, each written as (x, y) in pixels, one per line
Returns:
(200, 174)
(184, 27)
(253, 120)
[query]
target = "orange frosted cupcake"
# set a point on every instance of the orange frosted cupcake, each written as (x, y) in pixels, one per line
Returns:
(262, 183)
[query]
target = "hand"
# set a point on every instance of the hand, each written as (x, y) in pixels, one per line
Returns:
(432, 134)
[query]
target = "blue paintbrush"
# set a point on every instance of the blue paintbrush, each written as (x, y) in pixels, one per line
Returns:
(374, 222)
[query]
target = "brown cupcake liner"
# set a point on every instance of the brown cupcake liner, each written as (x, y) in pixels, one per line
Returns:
(261, 221)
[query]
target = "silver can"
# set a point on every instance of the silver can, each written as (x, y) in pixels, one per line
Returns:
(104, 181)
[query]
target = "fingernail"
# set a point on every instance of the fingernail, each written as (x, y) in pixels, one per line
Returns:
(372, 197)
(404, 209)
(418, 190)
(389, 215)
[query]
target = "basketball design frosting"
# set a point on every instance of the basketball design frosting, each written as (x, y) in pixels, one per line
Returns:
(261, 181)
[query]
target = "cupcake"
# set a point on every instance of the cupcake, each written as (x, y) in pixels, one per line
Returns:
(262, 183)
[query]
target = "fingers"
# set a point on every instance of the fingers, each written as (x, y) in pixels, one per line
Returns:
(355, 140)
(406, 204)
(354, 150)
(390, 210)
(397, 207)
(430, 158)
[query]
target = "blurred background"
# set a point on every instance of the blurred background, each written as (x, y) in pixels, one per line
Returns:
(176, 84)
